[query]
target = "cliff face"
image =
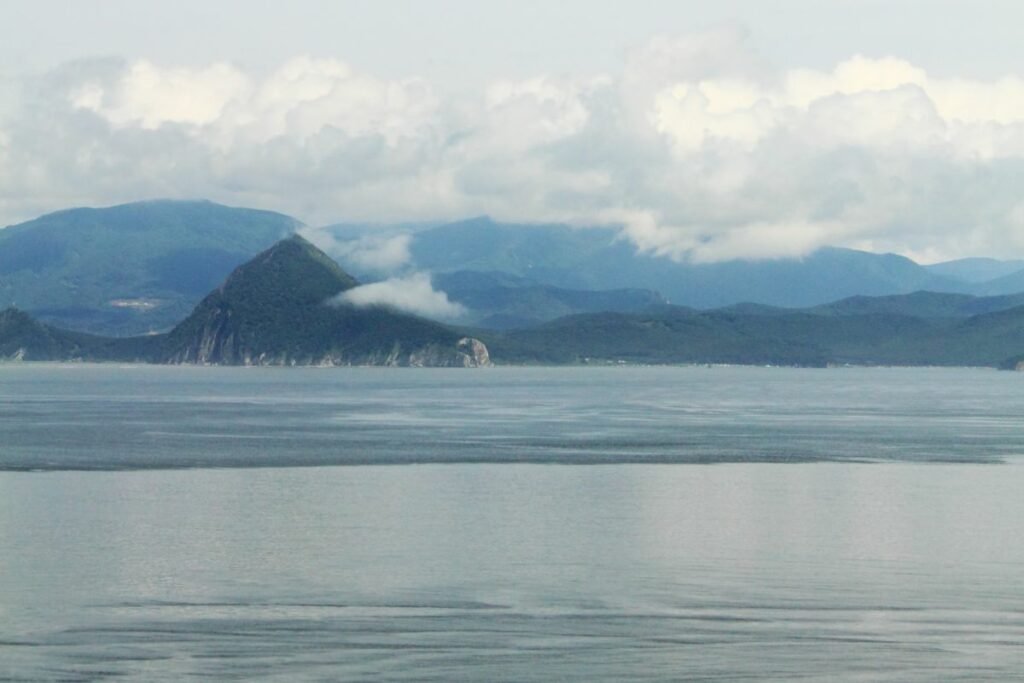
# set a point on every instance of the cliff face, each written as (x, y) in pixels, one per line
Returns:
(475, 353)
(219, 342)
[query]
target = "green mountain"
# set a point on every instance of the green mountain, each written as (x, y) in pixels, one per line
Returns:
(273, 310)
(24, 338)
(598, 259)
(129, 269)
(864, 334)
(142, 267)
(923, 305)
(503, 301)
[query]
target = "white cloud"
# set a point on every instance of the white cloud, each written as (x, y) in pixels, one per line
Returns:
(149, 96)
(369, 253)
(413, 294)
(697, 146)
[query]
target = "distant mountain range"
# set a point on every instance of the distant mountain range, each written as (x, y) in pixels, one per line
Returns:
(277, 310)
(590, 259)
(977, 270)
(141, 268)
(923, 328)
(596, 258)
(274, 310)
(500, 301)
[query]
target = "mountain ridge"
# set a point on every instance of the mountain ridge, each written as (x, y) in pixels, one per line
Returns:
(801, 337)
(129, 268)
(272, 310)
(142, 267)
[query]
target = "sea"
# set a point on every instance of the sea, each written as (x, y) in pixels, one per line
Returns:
(510, 524)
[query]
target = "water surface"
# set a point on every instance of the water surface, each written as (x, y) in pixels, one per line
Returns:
(106, 417)
(859, 525)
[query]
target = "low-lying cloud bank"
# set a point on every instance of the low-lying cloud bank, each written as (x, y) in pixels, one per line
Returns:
(696, 146)
(413, 294)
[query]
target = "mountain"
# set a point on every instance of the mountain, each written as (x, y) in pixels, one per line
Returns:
(502, 301)
(24, 338)
(132, 268)
(276, 310)
(142, 267)
(273, 310)
(860, 332)
(596, 258)
(922, 305)
(976, 270)
(1014, 282)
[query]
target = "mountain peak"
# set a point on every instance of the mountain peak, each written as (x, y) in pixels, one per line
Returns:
(292, 271)
(273, 310)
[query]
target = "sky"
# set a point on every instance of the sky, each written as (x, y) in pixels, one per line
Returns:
(708, 131)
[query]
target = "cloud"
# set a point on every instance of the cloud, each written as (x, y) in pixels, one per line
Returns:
(413, 294)
(370, 253)
(148, 96)
(698, 147)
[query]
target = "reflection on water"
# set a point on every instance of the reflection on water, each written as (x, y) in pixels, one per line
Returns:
(492, 572)
(827, 569)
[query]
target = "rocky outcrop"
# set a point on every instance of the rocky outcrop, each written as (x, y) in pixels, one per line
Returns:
(474, 352)
(1013, 363)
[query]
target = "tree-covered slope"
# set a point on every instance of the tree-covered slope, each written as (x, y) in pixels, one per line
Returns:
(276, 310)
(24, 338)
(923, 305)
(132, 268)
(775, 336)
(501, 301)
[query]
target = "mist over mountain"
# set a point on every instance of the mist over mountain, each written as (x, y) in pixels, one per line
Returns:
(142, 267)
(290, 306)
(590, 259)
(597, 258)
(273, 310)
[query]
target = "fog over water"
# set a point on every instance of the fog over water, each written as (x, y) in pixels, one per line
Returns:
(887, 547)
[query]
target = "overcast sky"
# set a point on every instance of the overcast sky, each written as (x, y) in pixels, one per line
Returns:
(739, 128)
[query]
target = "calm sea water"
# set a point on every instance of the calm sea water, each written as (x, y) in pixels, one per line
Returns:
(854, 525)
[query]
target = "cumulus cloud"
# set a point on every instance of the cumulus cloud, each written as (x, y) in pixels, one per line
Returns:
(413, 294)
(149, 96)
(697, 147)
